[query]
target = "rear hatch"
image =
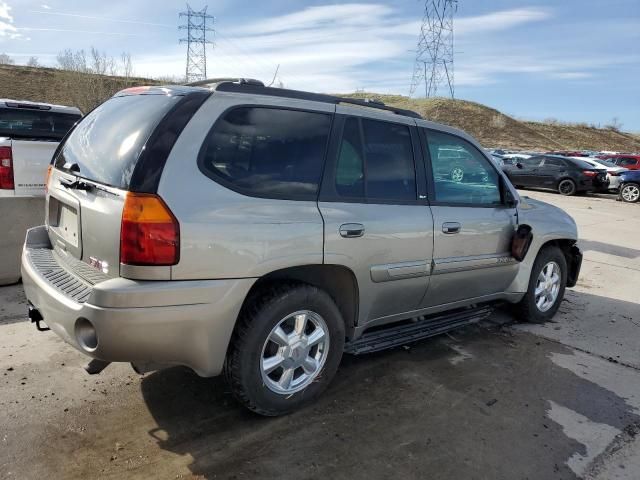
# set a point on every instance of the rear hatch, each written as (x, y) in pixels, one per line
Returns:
(106, 156)
(35, 131)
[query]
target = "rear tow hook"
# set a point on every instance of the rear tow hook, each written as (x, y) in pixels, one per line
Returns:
(36, 317)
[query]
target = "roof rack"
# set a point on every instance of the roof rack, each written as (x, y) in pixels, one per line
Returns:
(256, 87)
(215, 81)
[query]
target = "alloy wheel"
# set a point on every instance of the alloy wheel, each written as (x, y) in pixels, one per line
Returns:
(630, 193)
(547, 286)
(567, 187)
(295, 352)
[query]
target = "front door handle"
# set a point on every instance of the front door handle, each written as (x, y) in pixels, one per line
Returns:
(351, 230)
(451, 227)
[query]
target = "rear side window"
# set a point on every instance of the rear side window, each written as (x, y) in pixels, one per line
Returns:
(554, 162)
(106, 144)
(35, 124)
(268, 152)
(377, 164)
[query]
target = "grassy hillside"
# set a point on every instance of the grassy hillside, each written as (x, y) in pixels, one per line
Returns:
(491, 127)
(495, 129)
(50, 85)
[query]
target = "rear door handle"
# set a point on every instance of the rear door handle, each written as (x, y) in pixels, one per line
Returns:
(351, 230)
(451, 227)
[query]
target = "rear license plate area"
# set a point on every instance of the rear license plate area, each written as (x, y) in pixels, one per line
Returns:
(67, 224)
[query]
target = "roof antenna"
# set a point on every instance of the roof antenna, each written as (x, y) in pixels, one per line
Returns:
(275, 75)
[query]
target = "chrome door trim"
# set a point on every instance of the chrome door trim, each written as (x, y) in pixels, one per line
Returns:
(399, 271)
(458, 264)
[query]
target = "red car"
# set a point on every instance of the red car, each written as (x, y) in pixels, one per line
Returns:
(632, 162)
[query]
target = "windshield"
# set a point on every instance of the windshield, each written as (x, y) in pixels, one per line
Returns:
(582, 164)
(35, 124)
(606, 163)
(106, 144)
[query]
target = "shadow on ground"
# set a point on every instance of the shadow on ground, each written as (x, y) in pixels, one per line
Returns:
(473, 405)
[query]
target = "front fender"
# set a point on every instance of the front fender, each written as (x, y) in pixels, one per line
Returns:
(550, 225)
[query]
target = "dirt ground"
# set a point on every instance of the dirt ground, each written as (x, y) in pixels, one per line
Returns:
(494, 401)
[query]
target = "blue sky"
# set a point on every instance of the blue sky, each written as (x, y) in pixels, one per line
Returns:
(575, 60)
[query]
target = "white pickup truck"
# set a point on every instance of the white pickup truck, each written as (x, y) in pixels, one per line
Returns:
(29, 135)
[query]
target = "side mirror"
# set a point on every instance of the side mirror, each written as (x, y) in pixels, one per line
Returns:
(519, 165)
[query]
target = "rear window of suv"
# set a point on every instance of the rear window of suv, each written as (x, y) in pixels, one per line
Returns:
(106, 144)
(35, 124)
(268, 152)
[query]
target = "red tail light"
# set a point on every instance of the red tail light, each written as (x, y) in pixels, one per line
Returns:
(149, 233)
(6, 169)
(590, 173)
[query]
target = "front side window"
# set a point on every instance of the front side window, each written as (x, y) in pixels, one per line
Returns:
(268, 152)
(461, 174)
(628, 162)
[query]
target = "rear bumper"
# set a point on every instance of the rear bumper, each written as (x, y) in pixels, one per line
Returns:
(165, 322)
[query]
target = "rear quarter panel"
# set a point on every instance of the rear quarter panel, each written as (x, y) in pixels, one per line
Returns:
(224, 234)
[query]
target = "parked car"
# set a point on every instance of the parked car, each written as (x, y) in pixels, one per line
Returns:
(630, 162)
(613, 171)
(263, 232)
(629, 186)
(566, 175)
(29, 134)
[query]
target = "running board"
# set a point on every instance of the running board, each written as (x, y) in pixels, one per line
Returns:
(395, 336)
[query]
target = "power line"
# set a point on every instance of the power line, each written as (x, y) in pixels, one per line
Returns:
(434, 55)
(197, 42)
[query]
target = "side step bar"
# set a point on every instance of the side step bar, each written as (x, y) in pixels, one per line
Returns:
(395, 336)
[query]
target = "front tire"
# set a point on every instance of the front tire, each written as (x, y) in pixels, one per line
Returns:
(546, 287)
(630, 193)
(567, 187)
(286, 349)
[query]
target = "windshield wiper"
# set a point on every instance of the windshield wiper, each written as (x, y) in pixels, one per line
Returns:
(76, 185)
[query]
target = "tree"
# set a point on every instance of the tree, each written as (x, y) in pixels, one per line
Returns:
(6, 59)
(33, 62)
(615, 125)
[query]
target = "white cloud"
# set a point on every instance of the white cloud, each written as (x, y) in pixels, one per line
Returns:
(502, 20)
(7, 30)
(4, 11)
(45, 6)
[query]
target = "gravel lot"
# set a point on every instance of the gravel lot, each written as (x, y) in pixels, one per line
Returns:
(494, 401)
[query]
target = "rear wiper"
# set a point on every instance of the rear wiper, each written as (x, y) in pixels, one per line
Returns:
(76, 185)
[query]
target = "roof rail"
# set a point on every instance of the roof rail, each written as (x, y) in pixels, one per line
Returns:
(214, 81)
(257, 88)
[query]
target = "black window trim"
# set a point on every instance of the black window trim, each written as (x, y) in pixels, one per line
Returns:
(328, 191)
(423, 131)
(246, 192)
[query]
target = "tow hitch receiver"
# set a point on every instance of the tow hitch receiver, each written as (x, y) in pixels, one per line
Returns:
(95, 366)
(36, 317)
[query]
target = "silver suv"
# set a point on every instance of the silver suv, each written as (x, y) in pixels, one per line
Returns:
(262, 232)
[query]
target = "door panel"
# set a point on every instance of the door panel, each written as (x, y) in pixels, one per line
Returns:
(476, 260)
(473, 229)
(390, 260)
(377, 222)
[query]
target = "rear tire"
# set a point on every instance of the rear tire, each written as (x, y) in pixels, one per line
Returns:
(544, 294)
(567, 187)
(271, 331)
(630, 193)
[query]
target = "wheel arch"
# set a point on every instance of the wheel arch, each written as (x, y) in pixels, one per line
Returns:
(571, 253)
(338, 281)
